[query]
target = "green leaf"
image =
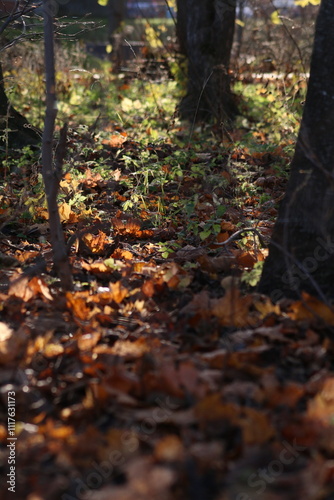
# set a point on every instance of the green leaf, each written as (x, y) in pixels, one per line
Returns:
(205, 234)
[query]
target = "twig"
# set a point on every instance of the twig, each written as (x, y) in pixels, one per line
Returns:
(235, 235)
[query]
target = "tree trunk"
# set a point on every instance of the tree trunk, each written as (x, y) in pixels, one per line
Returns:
(14, 128)
(205, 31)
(116, 15)
(52, 174)
(300, 253)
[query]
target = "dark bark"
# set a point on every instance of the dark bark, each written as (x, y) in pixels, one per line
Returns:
(205, 30)
(300, 254)
(116, 15)
(52, 173)
(15, 130)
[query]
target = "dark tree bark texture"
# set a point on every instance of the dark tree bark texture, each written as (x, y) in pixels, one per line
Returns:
(116, 15)
(52, 174)
(14, 128)
(301, 252)
(205, 30)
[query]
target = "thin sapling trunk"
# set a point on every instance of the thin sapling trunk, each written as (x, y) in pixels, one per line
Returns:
(52, 171)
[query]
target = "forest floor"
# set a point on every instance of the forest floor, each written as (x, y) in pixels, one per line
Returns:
(163, 375)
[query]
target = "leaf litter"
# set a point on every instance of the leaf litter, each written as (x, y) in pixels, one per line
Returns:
(163, 375)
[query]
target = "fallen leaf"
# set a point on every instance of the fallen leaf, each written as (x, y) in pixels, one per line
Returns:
(233, 309)
(169, 449)
(12, 343)
(321, 407)
(256, 426)
(95, 243)
(310, 308)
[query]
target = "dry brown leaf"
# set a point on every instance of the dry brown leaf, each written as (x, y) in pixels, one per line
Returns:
(116, 140)
(188, 376)
(311, 308)
(148, 288)
(165, 380)
(321, 407)
(256, 427)
(118, 291)
(233, 309)
(169, 449)
(87, 341)
(64, 212)
(287, 395)
(212, 408)
(95, 243)
(199, 308)
(188, 253)
(52, 430)
(246, 259)
(26, 289)
(215, 359)
(91, 179)
(266, 307)
(130, 350)
(52, 350)
(99, 266)
(146, 480)
(27, 255)
(215, 264)
(19, 287)
(38, 286)
(228, 226)
(120, 254)
(78, 304)
(12, 344)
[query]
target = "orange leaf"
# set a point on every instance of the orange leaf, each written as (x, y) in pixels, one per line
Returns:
(246, 259)
(233, 309)
(311, 308)
(212, 408)
(65, 212)
(87, 341)
(148, 288)
(169, 449)
(256, 427)
(97, 267)
(78, 305)
(118, 292)
(116, 140)
(12, 343)
(322, 406)
(95, 243)
(38, 286)
(52, 350)
(122, 254)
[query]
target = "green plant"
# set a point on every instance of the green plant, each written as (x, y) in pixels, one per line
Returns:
(252, 277)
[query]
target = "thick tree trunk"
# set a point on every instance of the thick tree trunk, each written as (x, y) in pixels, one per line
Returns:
(116, 15)
(14, 128)
(205, 31)
(302, 247)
